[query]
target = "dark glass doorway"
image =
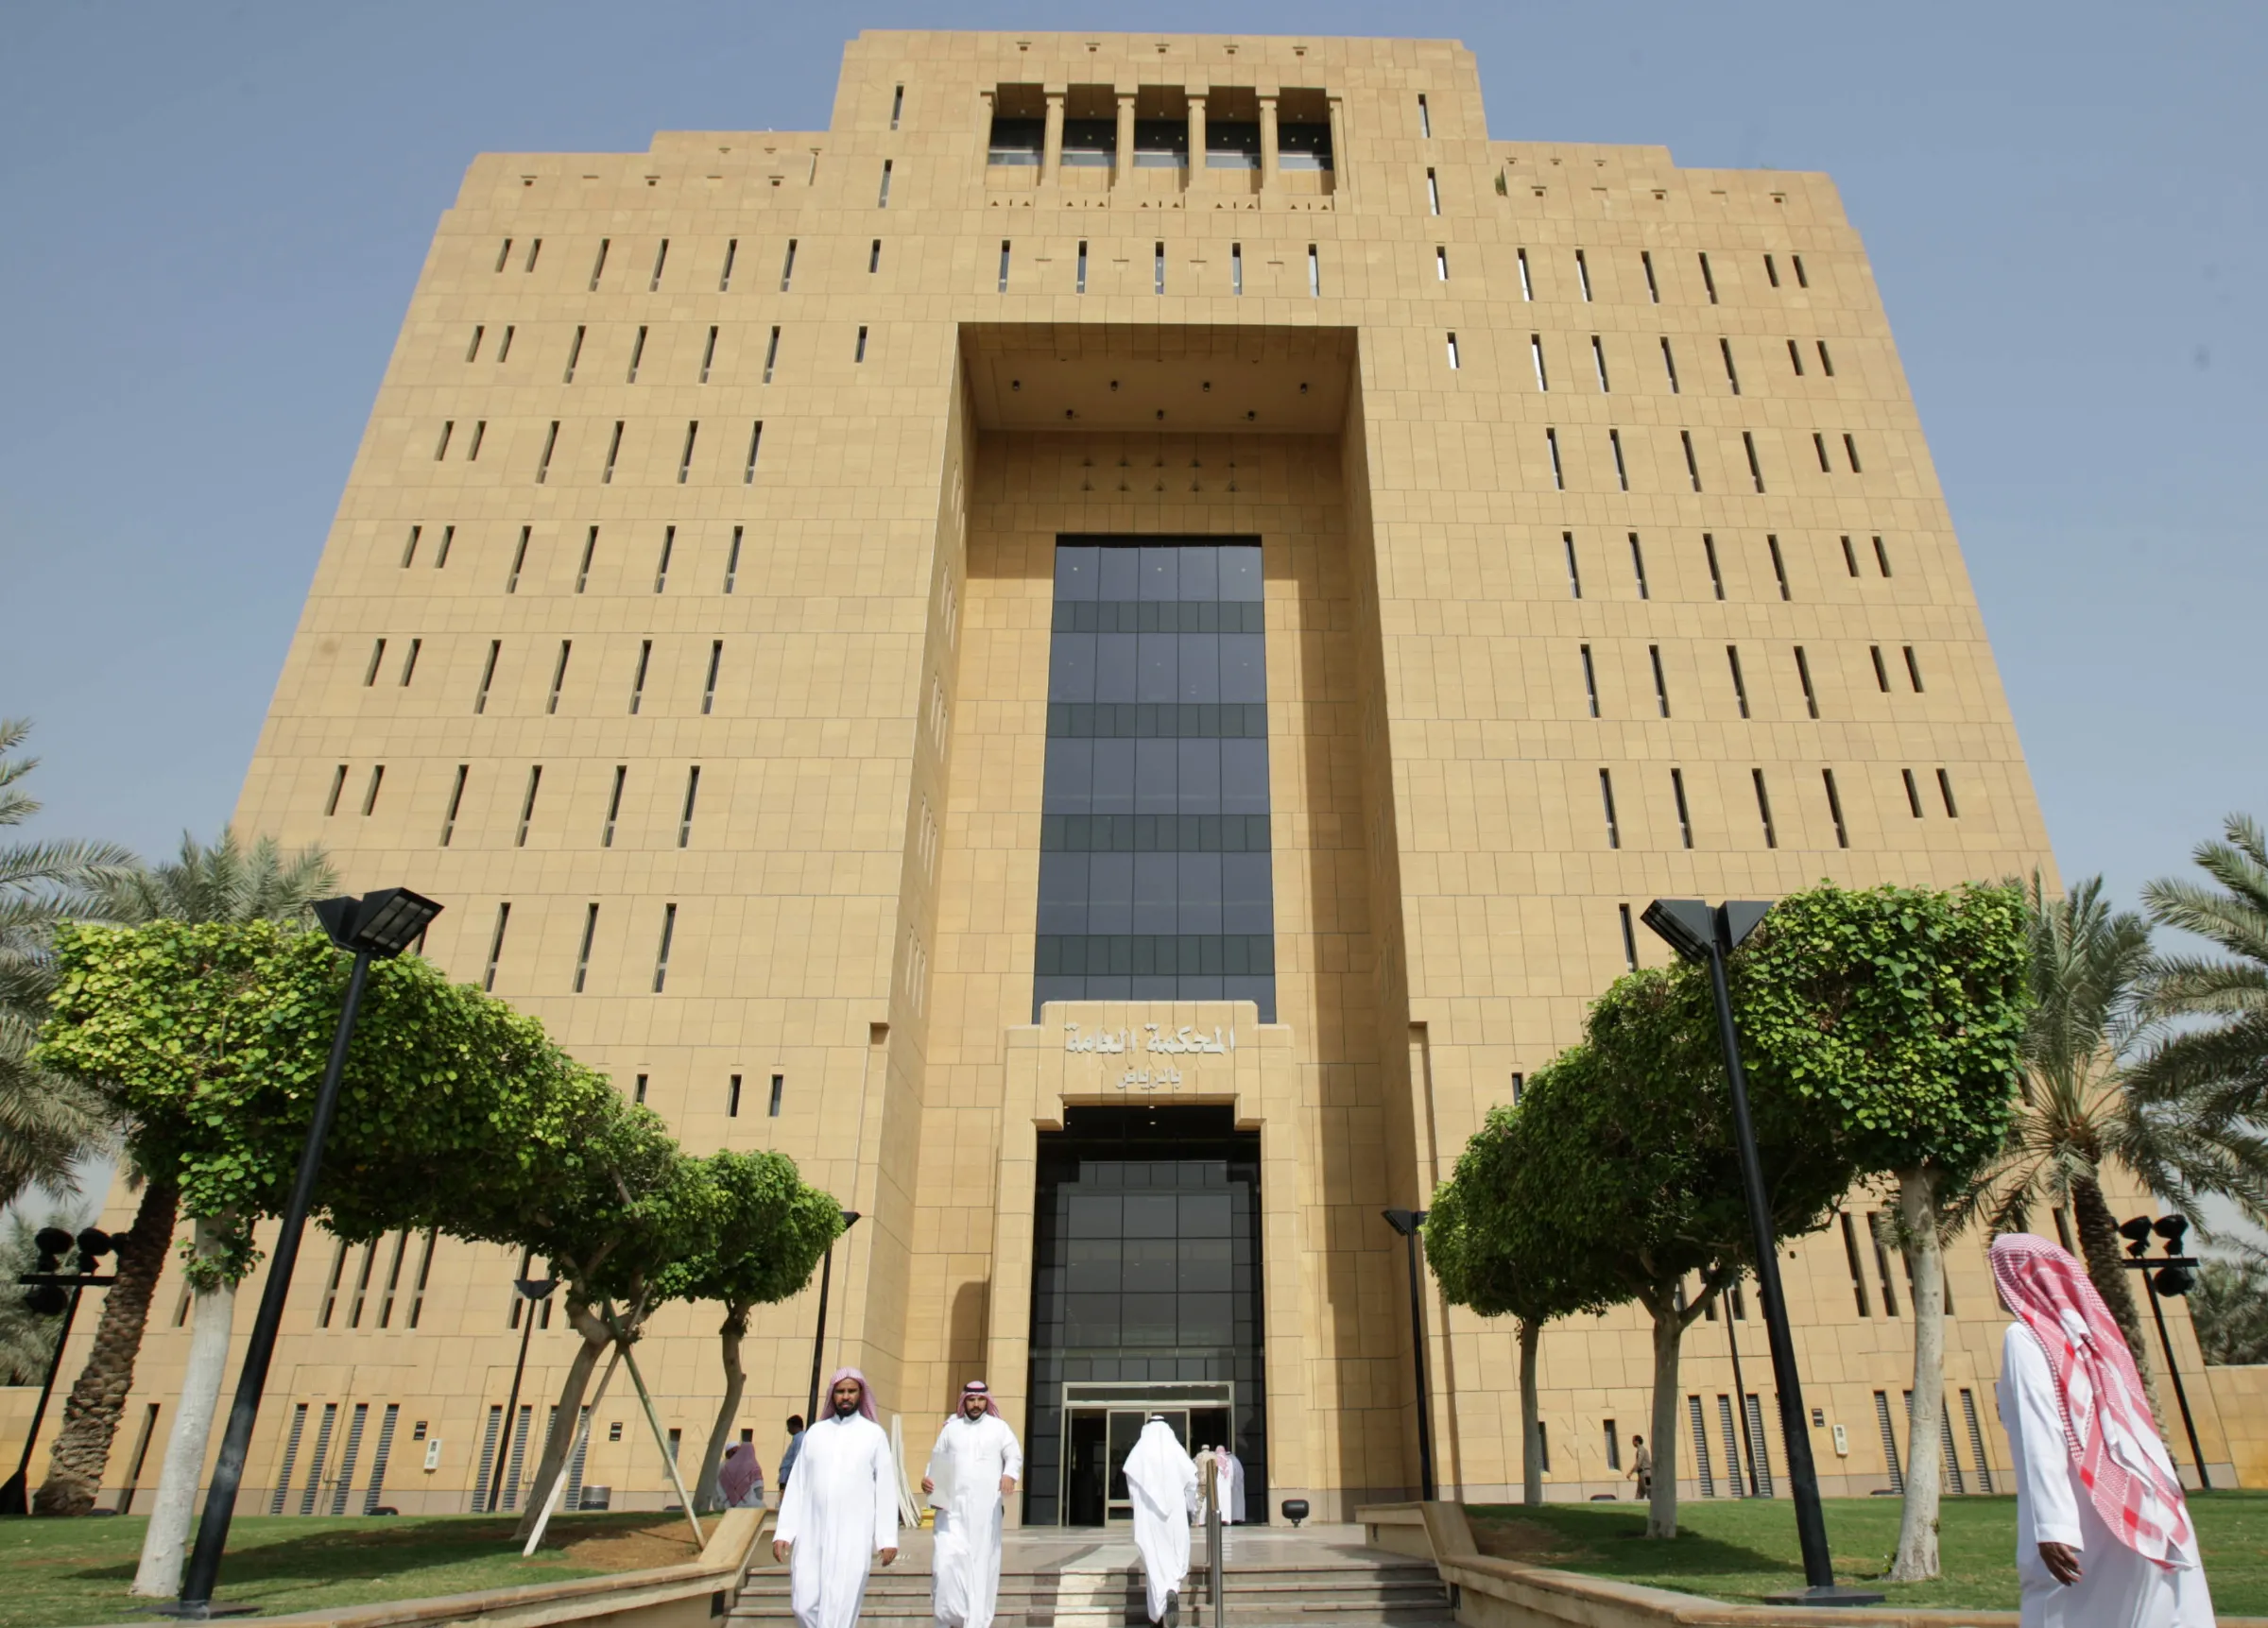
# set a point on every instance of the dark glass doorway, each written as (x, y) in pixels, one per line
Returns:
(1146, 1299)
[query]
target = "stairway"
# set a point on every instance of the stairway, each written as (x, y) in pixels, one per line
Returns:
(1323, 1579)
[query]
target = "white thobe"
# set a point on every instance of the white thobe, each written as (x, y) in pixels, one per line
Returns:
(2119, 1588)
(1228, 1484)
(1163, 1482)
(970, 1457)
(839, 1509)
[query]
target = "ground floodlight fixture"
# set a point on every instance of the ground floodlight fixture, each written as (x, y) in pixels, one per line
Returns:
(381, 924)
(2173, 1228)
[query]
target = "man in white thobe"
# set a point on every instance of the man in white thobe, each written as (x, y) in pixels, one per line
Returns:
(973, 1468)
(2081, 1434)
(1228, 1483)
(841, 1510)
(1163, 1482)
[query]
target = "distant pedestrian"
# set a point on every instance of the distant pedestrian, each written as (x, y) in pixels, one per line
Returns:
(795, 1445)
(740, 1478)
(1641, 1468)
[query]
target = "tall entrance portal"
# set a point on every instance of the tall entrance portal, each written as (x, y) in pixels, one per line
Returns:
(1146, 1299)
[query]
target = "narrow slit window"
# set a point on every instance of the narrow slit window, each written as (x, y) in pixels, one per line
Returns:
(559, 675)
(1004, 265)
(473, 350)
(1574, 574)
(1771, 271)
(1614, 829)
(1433, 191)
(582, 572)
(733, 559)
(1834, 808)
(1795, 357)
(1708, 552)
(488, 676)
(1850, 556)
(1314, 273)
(859, 354)
(339, 784)
(504, 254)
(1646, 261)
(1779, 566)
(1543, 380)
(1912, 669)
(874, 257)
(622, 775)
(1622, 471)
(409, 549)
(582, 954)
(551, 439)
(669, 547)
(1629, 938)
(692, 793)
(1858, 1277)
(1756, 470)
(787, 267)
(1692, 465)
(1819, 446)
(1236, 270)
(1669, 364)
(1425, 120)
(669, 931)
(504, 920)
(1881, 557)
(440, 448)
(457, 802)
(1802, 280)
(1080, 286)
(709, 354)
(480, 434)
(1882, 673)
(732, 1099)
(527, 805)
(897, 105)
(599, 264)
(1685, 818)
(779, 1091)
(646, 657)
(724, 277)
(1740, 685)
(638, 1096)
(1550, 438)
(534, 248)
(771, 354)
(613, 451)
(660, 259)
(693, 431)
(1440, 263)
(1708, 280)
(1582, 275)
(409, 663)
(1732, 374)
(1803, 676)
(1661, 683)
(1763, 808)
(504, 346)
(575, 354)
(369, 676)
(1944, 790)
(1638, 566)
(1157, 268)
(1827, 363)
(1850, 453)
(1590, 683)
(637, 354)
(717, 660)
(1453, 351)
(747, 475)
(1527, 286)
(1913, 792)
(1598, 362)
(882, 200)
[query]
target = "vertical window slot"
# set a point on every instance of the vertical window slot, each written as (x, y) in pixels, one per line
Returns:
(1629, 938)
(457, 802)
(559, 675)
(622, 775)
(1527, 286)
(1669, 364)
(1453, 351)
(693, 431)
(504, 346)
(1661, 683)
(599, 264)
(1795, 357)
(709, 354)
(669, 544)
(504, 254)
(1598, 361)
(1756, 470)
(1004, 265)
(488, 676)
(1425, 120)
(1944, 790)
(1574, 574)
(1692, 465)
(1850, 556)
(370, 675)
(1614, 829)
(440, 448)
(1851, 452)
(692, 792)
(1590, 683)
(409, 663)
(1740, 686)
(669, 931)
(637, 354)
(1236, 270)
(1433, 191)
(1685, 818)
(747, 475)
(1543, 381)
(1827, 363)
(1779, 566)
(1771, 271)
(1440, 263)
(1881, 557)
(488, 979)
(874, 257)
(613, 451)
(882, 200)
(551, 441)
(1819, 446)
(1551, 439)
(724, 277)
(480, 433)
(1835, 808)
(409, 549)
(1582, 275)
(1707, 280)
(660, 259)
(1314, 273)
(1858, 1277)
(1803, 676)
(1080, 287)
(473, 350)
(859, 354)
(534, 248)
(1802, 280)
(1157, 268)
(575, 354)
(1622, 471)
(527, 805)
(779, 1091)
(1912, 669)
(1708, 551)
(1646, 261)
(582, 954)
(646, 656)
(717, 660)
(787, 267)
(1732, 374)
(1881, 674)
(339, 784)
(1763, 808)
(582, 572)
(732, 1100)
(1913, 792)
(1638, 566)
(733, 561)
(771, 354)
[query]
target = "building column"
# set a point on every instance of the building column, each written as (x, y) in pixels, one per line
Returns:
(1196, 137)
(1051, 154)
(1340, 179)
(1121, 162)
(1267, 141)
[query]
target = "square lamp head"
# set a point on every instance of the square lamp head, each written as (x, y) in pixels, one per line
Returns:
(381, 925)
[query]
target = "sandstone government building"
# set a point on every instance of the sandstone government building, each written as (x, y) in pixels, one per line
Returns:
(1105, 652)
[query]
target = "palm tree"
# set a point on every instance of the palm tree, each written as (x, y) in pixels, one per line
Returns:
(47, 1125)
(2097, 1095)
(2229, 1307)
(222, 883)
(2219, 1052)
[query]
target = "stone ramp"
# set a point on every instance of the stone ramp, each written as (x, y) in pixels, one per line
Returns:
(1321, 1577)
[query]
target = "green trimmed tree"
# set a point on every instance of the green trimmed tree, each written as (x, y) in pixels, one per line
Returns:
(1896, 1017)
(770, 1233)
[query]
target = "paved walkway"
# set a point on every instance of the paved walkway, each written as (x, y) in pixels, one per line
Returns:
(1054, 1549)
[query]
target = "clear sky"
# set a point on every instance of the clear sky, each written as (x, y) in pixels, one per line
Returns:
(214, 215)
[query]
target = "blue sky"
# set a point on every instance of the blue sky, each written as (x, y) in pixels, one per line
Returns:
(215, 215)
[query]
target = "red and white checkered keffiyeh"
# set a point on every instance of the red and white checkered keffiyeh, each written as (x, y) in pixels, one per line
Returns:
(2107, 1419)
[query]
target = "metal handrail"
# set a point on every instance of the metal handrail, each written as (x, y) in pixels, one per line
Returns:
(1215, 1556)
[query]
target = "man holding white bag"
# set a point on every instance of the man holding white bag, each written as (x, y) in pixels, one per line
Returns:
(974, 1466)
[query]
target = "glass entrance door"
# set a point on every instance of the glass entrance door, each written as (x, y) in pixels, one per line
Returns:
(1102, 1422)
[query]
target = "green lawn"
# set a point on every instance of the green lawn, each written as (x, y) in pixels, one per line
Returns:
(1737, 1549)
(64, 1572)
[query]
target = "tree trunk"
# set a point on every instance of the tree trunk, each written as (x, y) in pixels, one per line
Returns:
(1917, 1557)
(1669, 1329)
(1531, 1431)
(707, 1496)
(82, 1448)
(568, 1416)
(2101, 1247)
(165, 1543)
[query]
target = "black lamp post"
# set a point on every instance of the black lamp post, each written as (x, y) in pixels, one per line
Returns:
(1407, 1223)
(530, 1290)
(376, 927)
(819, 1340)
(2172, 1273)
(1698, 933)
(48, 1291)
